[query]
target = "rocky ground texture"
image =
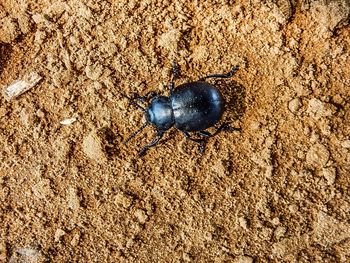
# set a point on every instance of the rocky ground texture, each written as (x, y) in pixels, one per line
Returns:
(277, 190)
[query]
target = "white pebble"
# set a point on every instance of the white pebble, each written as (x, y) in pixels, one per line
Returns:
(68, 121)
(20, 86)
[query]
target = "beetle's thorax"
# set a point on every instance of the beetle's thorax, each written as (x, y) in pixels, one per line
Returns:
(160, 113)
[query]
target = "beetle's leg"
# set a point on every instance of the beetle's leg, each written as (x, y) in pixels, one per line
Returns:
(143, 99)
(150, 95)
(151, 144)
(133, 135)
(222, 127)
(171, 87)
(175, 72)
(223, 76)
(205, 134)
(132, 102)
(201, 142)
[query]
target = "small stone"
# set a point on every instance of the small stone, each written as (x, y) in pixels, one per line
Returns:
(94, 72)
(39, 37)
(40, 215)
(19, 87)
(26, 254)
(329, 230)
(317, 155)
(68, 121)
(315, 106)
(294, 105)
(279, 232)
(141, 216)
(293, 208)
(40, 113)
(329, 174)
(38, 18)
(345, 144)
(307, 131)
(265, 233)
(276, 221)
(243, 223)
(186, 257)
(75, 239)
(300, 154)
(42, 189)
(316, 109)
(73, 201)
(208, 236)
(58, 234)
(92, 147)
(255, 125)
(314, 137)
(123, 200)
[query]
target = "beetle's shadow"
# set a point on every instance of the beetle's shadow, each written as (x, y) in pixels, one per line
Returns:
(234, 95)
(110, 141)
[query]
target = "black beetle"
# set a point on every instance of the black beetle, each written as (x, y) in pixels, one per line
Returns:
(191, 107)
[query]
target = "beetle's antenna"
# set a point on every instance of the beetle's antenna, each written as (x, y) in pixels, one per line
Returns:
(137, 105)
(133, 135)
(131, 101)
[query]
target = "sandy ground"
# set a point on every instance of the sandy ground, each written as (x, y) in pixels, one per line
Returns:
(276, 191)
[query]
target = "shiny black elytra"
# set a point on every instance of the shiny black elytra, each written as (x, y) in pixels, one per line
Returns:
(191, 107)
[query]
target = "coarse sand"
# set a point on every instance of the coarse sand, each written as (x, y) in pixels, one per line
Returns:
(275, 191)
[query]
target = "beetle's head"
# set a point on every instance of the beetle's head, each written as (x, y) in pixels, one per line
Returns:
(160, 113)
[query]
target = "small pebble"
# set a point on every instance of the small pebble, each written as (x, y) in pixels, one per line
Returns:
(68, 121)
(58, 234)
(123, 200)
(345, 144)
(294, 105)
(329, 174)
(141, 216)
(317, 155)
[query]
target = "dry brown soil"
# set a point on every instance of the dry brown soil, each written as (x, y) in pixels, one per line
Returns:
(275, 191)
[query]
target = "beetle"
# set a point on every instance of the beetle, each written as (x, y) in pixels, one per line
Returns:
(191, 107)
